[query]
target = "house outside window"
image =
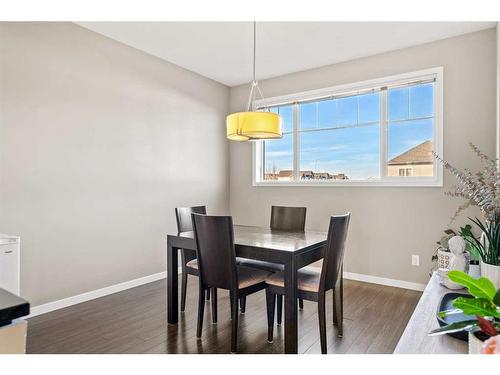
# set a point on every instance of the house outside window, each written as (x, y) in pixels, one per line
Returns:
(405, 172)
(375, 133)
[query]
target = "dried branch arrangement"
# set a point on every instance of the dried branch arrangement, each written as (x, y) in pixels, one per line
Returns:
(480, 189)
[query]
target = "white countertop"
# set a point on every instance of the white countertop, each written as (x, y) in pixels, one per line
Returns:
(415, 339)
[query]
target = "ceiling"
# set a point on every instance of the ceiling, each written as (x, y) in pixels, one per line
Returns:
(222, 51)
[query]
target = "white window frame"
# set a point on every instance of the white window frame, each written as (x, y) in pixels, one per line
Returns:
(432, 181)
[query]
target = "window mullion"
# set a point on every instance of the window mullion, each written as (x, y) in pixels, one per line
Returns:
(296, 161)
(262, 154)
(383, 134)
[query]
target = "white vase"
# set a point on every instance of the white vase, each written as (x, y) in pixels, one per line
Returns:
(475, 345)
(492, 272)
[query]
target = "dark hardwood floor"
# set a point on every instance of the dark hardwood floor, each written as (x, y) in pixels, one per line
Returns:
(134, 321)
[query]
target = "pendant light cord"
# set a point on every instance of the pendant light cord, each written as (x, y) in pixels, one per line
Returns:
(251, 97)
(254, 46)
(254, 87)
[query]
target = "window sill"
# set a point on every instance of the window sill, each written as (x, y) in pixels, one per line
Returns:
(352, 183)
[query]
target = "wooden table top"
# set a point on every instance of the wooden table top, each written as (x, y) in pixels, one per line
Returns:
(415, 340)
(266, 238)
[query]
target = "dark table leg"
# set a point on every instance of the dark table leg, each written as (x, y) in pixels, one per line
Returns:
(172, 287)
(291, 335)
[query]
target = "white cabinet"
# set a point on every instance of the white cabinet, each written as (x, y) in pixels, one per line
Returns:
(9, 263)
(13, 337)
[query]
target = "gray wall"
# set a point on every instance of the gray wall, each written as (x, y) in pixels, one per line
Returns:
(498, 90)
(98, 143)
(388, 223)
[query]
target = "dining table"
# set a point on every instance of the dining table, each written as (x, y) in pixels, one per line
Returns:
(293, 250)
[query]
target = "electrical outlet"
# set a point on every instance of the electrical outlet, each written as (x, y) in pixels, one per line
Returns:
(415, 260)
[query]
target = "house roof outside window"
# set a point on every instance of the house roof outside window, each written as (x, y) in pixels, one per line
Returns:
(420, 154)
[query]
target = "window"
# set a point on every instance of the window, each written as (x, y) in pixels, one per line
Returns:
(380, 133)
(405, 172)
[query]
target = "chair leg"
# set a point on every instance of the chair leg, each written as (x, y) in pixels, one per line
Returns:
(214, 305)
(334, 305)
(280, 308)
(234, 321)
(208, 294)
(271, 303)
(183, 291)
(338, 307)
(243, 304)
(231, 307)
(322, 322)
(301, 304)
(201, 310)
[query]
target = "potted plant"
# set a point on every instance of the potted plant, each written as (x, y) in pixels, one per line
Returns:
(439, 256)
(481, 189)
(451, 254)
(488, 248)
(484, 304)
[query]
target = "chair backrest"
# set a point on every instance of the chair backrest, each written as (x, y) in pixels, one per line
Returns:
(292, 219)
(215, 251)
(183, 216)
(334, 251)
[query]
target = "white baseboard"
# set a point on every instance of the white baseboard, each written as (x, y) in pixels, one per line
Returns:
(70, 301)
(384, 281)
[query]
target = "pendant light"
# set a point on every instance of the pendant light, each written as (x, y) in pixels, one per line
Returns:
(253, 125)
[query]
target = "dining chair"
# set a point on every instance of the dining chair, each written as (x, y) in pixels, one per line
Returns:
(218, 269)
(289, 219)
(189, 263)
(313, 282)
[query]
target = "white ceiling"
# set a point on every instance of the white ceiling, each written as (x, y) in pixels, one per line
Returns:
(223, 50)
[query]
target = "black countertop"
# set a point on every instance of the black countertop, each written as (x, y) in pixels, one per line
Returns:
(12, 307)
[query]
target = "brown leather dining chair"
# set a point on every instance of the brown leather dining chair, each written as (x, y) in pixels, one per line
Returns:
(289, 219)
(189, 263)
(314, 282)
(218, 269)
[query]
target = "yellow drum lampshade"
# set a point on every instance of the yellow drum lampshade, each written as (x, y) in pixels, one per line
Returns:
(244, 126)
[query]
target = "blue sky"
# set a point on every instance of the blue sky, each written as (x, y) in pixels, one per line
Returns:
(351, 145)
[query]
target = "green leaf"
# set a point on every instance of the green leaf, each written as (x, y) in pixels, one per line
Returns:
(476, 306)
(477, 246)
(496, 299)
(444, 313)
(466, 229)
(479, 288)
(466, 325)
(474, 250)
(490, 250)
